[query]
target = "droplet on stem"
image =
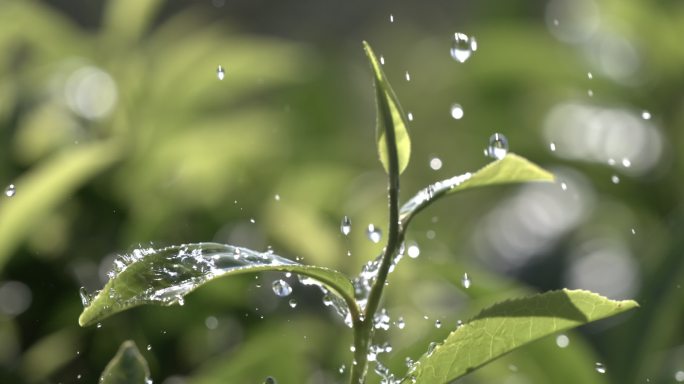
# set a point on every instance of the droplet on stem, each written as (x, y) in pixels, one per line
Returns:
(462, 47)
(498, 146)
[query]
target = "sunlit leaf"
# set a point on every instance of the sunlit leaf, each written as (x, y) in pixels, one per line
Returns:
(165, 276)
(391, 120)
(511, 169)
(508, 325)
(127, 367)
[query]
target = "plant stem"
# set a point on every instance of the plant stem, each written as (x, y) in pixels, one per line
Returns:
(363, 332)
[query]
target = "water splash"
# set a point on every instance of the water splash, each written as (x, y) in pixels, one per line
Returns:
(462, 47)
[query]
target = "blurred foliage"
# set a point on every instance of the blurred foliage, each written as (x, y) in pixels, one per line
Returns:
(183, 157)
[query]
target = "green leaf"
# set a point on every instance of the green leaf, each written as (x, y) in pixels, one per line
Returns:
(165, 276)
(511, 169)
(391, 122)
(44, 187)
(509, 325)
(127, 367)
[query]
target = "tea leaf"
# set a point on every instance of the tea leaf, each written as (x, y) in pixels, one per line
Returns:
(509, 325)
(127, 367)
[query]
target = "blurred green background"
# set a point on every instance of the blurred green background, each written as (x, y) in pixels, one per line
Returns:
(115, 132)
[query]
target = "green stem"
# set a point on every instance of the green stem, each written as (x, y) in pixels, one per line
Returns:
(363, 331)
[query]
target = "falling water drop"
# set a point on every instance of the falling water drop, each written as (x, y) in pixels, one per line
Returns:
(615, 179)
(646, 115)
(457, 111)
(413, 251)
(345, 227)
(220, 73)
(407, 75)
(382, 60)
(374, 234)
(292, 303)
(11, 190)
(342, 369)
(600, 368)
(498, 146)
(626, 162)
(590, 75)
(462, 47)
(590, 93)
(391, 21)
(438, 324)
(465, 281)
(281, 288)
(436, 163)
(552, 146)
(679, 376)
(400, 323)
(149, 347)
(410, 116)
(562, 341)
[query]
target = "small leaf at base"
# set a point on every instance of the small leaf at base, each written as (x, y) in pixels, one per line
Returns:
(127, 367)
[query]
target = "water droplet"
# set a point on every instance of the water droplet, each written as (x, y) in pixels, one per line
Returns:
(410, 116)
(211, 322)
(615, 179)
(633, 231)
(352, 348)
(435, 163)
(407, 75)
(589, 76)
(292, 303)
(342, 369)
(457, 111)
(462, 47)
(562, 341)
(149, 347)
(99, 325)
(409, 362)
(374, 234)
(679, 376)
(281, 288)
(345, 227)
(85, 297)
(600, 368)
(626, 162)
(498, 146)
(465, 281)
(564, 186)
(413, 251)
(552, 146)
(438, 324)
(459, 324)
(11, 190)
(277, 197)
(382, 60)
(431, 348)
(646, 115)
(590, 93)
(400, 323)
(391, 21)
(78, 377)
(220, 73)
(270, 380)
(556, 22)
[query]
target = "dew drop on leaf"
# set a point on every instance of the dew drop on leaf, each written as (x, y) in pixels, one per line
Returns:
(498, 146)
(465, 281)
(600, 368)
(270, 380)
(462, 47)
(457, 111)
(281, 288)
(374, 234)
(220, 73)
(431, 348)
(11, 190)
(345, 227)
(85, 297)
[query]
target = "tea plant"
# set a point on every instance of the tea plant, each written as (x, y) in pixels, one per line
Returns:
(165, 276)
